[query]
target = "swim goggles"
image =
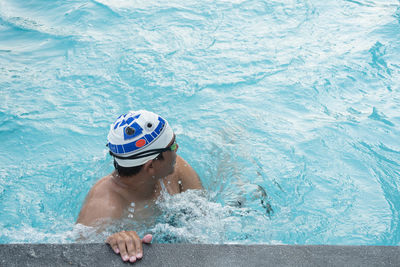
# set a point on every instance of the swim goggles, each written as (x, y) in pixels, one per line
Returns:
(149, 152)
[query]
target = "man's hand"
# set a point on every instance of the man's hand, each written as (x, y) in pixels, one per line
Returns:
(128, 244)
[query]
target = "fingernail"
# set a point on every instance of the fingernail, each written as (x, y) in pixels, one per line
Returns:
(116, 251)
(132, 259)
(125, 258)
(139, 255)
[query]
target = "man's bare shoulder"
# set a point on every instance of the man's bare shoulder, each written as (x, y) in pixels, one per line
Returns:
(102, 202)
(186, 175)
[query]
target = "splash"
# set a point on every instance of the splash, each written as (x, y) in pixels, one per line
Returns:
(192, 217)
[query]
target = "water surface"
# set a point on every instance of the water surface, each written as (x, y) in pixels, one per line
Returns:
(288, 110)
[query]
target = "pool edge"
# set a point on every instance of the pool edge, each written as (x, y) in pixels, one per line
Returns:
(99, 254)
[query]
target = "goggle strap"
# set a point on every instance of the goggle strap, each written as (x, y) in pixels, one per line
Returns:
(141, 154)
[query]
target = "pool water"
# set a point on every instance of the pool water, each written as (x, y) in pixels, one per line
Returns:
(288, 110)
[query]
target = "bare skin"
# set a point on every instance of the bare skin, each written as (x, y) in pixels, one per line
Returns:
(110, 197)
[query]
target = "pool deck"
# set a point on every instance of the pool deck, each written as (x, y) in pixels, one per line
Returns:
(200, 255)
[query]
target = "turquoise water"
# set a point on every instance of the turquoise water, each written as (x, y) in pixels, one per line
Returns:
(288, 110)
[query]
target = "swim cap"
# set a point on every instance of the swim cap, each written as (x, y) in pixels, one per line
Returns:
(135, 136)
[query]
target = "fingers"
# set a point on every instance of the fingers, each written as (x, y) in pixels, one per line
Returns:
(147, 239)
(138, 245)
(128, 244)
(122, 240)
(113, 243)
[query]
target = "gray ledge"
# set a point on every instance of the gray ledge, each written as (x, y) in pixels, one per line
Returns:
(200, 255)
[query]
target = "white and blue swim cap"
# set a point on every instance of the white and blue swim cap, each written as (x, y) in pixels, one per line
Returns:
(134, 138)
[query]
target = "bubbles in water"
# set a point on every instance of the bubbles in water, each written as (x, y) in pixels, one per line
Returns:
(191, 217)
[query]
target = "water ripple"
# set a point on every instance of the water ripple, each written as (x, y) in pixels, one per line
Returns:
(283, 106)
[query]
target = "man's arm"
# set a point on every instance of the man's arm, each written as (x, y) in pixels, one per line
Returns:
(126, 243)
(188, 177)
(96, 210)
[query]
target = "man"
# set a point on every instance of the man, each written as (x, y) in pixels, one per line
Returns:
(144, 149)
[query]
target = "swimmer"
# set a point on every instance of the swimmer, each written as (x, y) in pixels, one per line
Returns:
(144, 148)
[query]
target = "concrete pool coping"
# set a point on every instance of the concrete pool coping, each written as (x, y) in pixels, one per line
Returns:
(95, 254)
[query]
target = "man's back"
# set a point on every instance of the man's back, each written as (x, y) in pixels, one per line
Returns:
(110, 198)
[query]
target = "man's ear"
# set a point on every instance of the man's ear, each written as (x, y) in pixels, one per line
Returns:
(149, 167)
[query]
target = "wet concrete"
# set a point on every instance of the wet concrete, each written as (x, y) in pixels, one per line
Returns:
(200, 255)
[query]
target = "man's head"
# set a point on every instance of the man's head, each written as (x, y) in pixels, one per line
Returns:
(139, 137)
